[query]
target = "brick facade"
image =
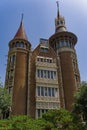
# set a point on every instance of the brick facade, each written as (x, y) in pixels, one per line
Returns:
(45, 78)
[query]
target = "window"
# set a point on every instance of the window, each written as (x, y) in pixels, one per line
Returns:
(42, 91)
(55, 76)
(61, 22)
(50, 61)
(68, 44)
(62, 42)
(22, 45)
(58, 45)
(40, 112)
(38, 73)
(44, 59)
(51, 74)
(9, 90)
(38, 91)
(43, 49)
(49, 92)
(10, 59)
(53, 94)
(46, 74)
(65, 43)
(17, 44)
(46, 91)
(12, 74)
(41, 59)
(58, 22)
(13, 59)
(13, 45)
(41, 73)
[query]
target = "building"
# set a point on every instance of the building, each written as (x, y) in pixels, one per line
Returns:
(46, 77)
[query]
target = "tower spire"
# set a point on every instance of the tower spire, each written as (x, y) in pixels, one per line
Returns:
(21, 31)
(22, 16)
(59, 21)
(58, 12)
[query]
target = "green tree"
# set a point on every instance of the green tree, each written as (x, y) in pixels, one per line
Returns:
(5, 101)
(52, 120)
(80, 105)
(25, 123)
(63, 120)
(1, 84)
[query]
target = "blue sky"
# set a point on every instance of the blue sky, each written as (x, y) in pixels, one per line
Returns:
(39, 16)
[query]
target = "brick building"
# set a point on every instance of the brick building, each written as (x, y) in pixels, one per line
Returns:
(46, 77)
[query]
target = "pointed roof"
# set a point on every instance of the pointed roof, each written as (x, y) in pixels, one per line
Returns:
(20, 34)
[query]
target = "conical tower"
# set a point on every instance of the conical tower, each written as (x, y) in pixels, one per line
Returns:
(17, 70)
(63, 42)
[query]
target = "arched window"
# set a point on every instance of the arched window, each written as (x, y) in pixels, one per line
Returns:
(17, 44)
(13, 45)
(61, 22)
(22, 45)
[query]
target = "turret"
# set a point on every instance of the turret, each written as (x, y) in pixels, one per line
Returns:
(63, 42)
(17, 70)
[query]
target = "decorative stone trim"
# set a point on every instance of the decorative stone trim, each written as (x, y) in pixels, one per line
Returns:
(66, 49)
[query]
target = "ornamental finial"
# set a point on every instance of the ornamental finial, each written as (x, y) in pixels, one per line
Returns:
(22, 16)
(58, 13)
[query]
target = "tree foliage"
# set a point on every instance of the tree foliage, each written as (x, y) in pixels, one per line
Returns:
(52, 120)
(63, 120)
(5, 100)
(24, 123)
(80, 105)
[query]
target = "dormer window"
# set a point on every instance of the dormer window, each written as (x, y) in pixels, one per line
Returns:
(44, 46)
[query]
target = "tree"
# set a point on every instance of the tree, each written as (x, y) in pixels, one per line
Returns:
(80, 105)
(63, 120)
(1, 84)
(5, 101)
(52, 120)
(23, 122)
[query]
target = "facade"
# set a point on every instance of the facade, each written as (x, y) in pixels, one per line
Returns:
(46, 77)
